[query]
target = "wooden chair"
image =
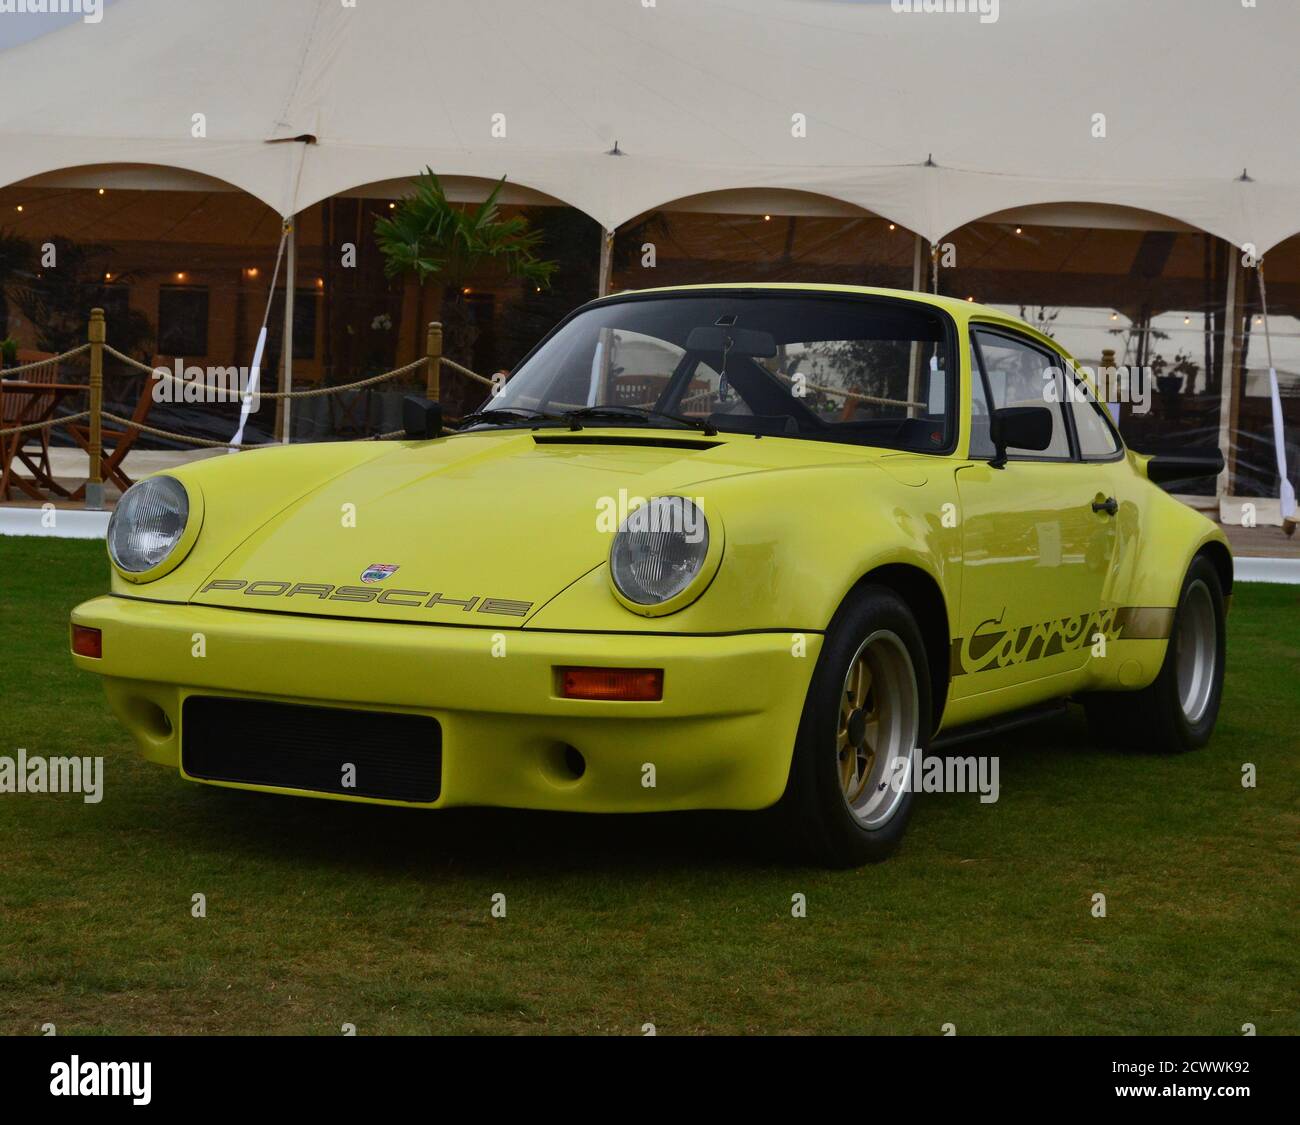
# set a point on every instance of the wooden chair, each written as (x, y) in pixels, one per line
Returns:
(16, 412)
(114, 443)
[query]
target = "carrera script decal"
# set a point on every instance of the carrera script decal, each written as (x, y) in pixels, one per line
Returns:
(322, 591)
(994, 645)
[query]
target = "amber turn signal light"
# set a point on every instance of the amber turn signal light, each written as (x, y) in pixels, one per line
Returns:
(631, 684)
(87, 641)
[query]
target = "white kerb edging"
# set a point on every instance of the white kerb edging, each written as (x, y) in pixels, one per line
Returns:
(59, 523)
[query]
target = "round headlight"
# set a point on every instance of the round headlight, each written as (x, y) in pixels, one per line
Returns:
(659, 549)
(147, 524)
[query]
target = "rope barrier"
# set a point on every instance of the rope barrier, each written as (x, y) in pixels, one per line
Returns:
(466, 371)
(131, 361)
(10, 372)
(44, 425)
(315, 392)
(318, 391)
(130, 424)
(163, 374)
(840, 392)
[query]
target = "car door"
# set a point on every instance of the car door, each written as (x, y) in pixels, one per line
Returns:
(1035, 551)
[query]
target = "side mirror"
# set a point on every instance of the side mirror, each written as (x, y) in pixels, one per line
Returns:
(421, 419)
(1185, 465)
(1019, 427)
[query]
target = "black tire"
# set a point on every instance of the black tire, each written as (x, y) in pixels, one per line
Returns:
(1155, 718)
(814, 812)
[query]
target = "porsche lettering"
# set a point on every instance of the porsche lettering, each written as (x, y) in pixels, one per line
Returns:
(423, 599)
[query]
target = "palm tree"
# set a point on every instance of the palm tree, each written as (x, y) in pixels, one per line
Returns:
(17, 258)
(429, 236)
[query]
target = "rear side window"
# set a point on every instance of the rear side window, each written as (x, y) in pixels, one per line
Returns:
(981, 441)
(1097, 440)
(1019, 374)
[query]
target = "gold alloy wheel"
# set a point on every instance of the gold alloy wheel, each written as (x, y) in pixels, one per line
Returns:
(1196, 651)
(877, 728)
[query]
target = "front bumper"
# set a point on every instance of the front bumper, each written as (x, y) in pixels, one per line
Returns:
(721, 737)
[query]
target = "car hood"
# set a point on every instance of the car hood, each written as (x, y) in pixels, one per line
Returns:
(478, 529)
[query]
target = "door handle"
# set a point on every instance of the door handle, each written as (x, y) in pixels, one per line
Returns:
(1108, 505)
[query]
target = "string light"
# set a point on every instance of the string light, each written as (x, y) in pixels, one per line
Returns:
(892, 227)
(20, 207)
(250, 271)
(1020, 230)
(101, 191)
(180, 276)
(767, 218)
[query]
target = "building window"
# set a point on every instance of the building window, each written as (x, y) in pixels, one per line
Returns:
(115, 300)
(305, 303)
(183, 320)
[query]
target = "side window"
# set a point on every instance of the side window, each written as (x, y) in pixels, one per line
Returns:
(981, 443)
(1021, 375)
(1097, 440)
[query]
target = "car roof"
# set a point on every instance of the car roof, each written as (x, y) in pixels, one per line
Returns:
(960, 310)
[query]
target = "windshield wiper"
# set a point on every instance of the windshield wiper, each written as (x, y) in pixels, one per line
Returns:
(517, 414)
(641, 414)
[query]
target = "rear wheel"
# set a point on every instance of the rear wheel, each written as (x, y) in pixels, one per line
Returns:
(866, 716)
(1177, 712)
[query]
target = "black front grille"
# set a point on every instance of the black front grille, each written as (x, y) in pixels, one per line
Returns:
(396, 757)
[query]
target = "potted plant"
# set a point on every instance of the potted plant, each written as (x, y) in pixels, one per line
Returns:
(432, 238)
(8, 352)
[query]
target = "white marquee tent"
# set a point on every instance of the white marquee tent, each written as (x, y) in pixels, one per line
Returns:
(932, 119)
(303, 99)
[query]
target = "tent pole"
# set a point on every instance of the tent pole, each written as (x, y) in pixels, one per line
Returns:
(914, 359)
(1228, 382)
(290, 284)
(606, 261)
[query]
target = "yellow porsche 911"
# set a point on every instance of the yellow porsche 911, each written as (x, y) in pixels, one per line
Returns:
(726, 547)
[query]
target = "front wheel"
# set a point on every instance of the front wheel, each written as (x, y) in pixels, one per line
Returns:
(1177, 712)
(867, 715)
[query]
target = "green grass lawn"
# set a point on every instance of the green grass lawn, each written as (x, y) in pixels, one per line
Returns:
(322, 913)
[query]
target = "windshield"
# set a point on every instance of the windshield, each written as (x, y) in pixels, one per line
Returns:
(863, 370)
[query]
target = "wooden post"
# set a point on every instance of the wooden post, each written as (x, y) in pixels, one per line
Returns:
(433, 350)
(283, 406)
(1228, 398)
(95, 483)
(606, 262)
(914, 360)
